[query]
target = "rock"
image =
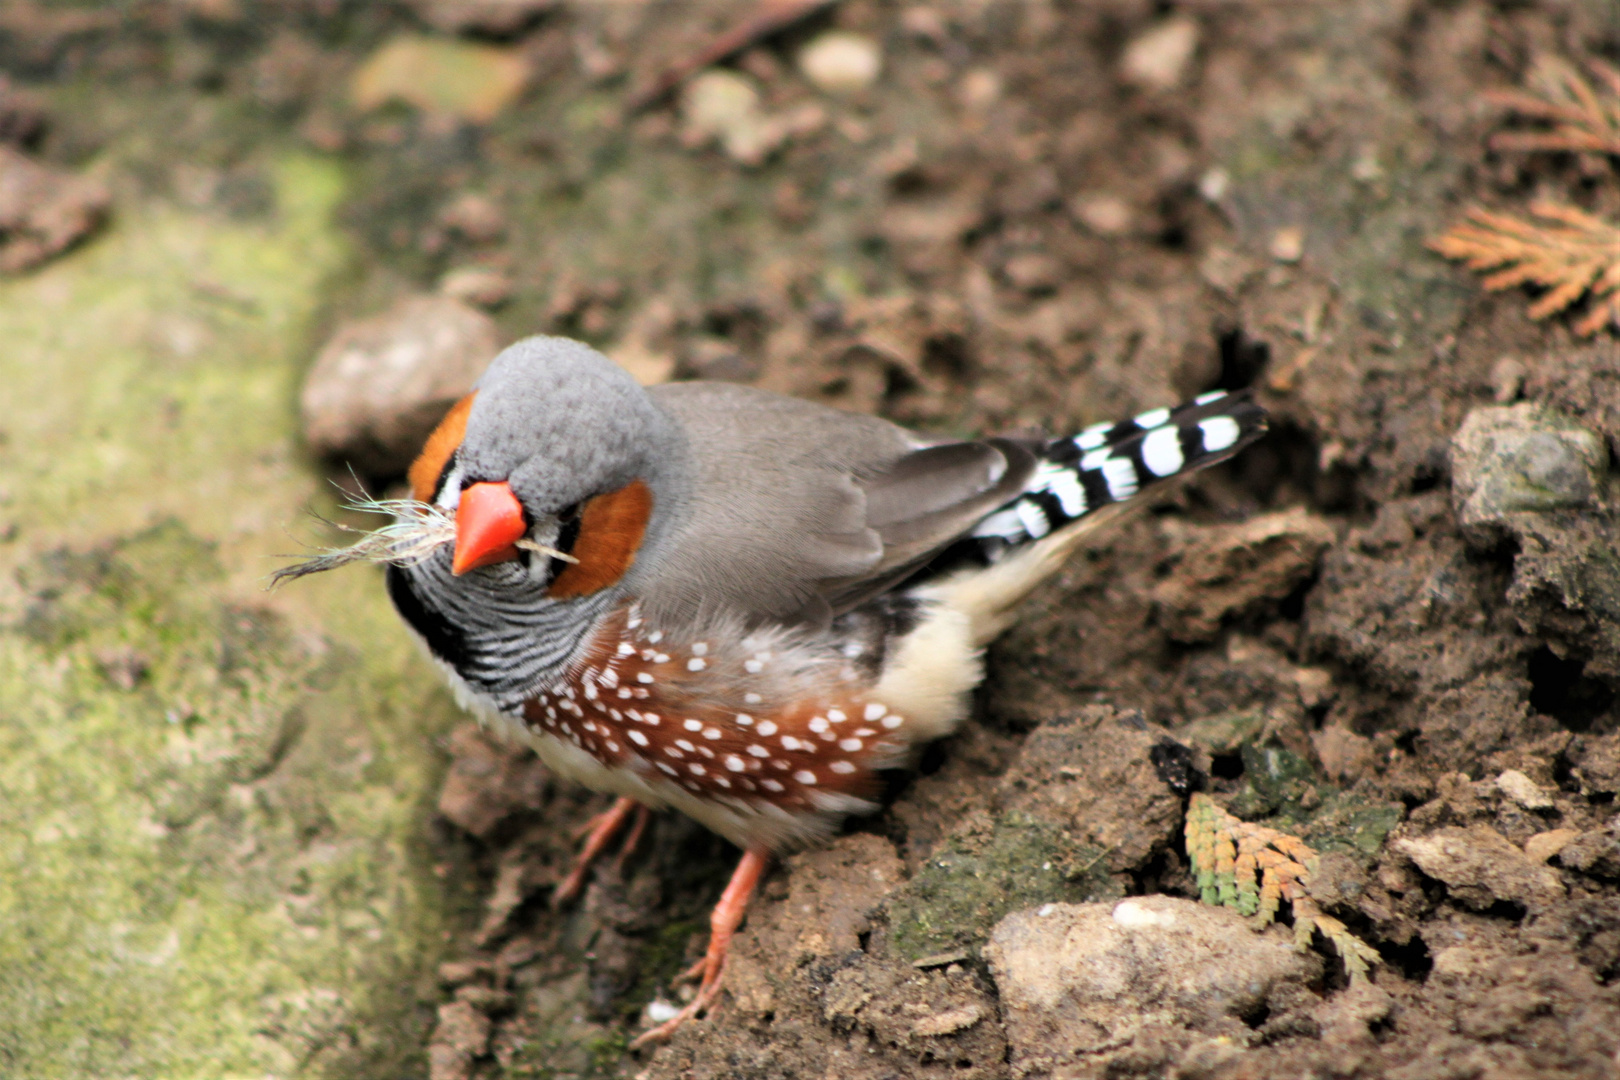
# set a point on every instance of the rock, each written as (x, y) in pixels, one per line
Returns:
(1594, 853)
(483, 286)
(1595, 763)
(1509, 460)
(1078, 982)
(1544, 845)
(1103, 214)
(379, 385)
(460, 79)
(723, 106)
(476, 217)
(1034, 272)
(841, 62)
(1287, 244)
(1157, 58)
(43, 211)
(496, 17)
(1523, 790)
(979, 89)
(1082, 806)
(1092, 776)
(1480, 867)
(1229, 569)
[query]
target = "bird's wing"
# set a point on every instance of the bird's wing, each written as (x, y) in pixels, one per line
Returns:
(798, 511)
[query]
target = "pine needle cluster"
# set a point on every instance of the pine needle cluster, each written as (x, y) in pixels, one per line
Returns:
(1568, 252)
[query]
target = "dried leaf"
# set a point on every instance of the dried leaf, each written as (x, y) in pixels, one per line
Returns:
(1585, 118)
(1570, 253)
(1252, 869)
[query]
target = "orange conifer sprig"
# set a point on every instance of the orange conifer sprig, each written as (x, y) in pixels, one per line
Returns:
(1585, 118)
(1568, 252)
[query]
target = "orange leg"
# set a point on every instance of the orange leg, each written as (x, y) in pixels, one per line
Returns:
(599, 832)
(728, 915)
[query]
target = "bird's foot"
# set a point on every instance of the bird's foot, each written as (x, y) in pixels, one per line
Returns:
(598, 833)
(728, 915)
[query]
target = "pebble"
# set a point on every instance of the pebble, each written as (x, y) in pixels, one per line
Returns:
(1157, 58)
(1508, 460)
(379, 385)
(460, 79)
(43, 210)
(1523, 790)
(1105, 215)
(723, 106)
(841, 62)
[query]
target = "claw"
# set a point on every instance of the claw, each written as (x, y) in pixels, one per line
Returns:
(728, 915)
(598, 833)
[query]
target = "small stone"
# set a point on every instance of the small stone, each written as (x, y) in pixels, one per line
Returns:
(1544, 845)
(723, 106)
(1105, 215)
(1516, 459)
(1034, 272)
(455, 78)
(380, 385)
(1507, 380)
(482, 286)
(43, 210)
(979, 89)
(841, 62)
(1214, 184)
(949, 1021)
(474, 216)
(1523, 790)
(1480, 867)
(1287, 244)
(1157, 58)
(1594, 853)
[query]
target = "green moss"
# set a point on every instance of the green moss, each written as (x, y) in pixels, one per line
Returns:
(212, 855)
(971, 882)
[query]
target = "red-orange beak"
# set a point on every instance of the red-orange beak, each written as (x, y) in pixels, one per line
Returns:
(489, 523)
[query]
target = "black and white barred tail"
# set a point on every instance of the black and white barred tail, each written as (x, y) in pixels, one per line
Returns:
(1110, 463)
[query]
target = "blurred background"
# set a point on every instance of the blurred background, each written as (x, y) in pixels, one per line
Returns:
(251, 251)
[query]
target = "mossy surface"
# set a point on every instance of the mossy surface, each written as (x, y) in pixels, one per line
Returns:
(212, 849)
(966, 887)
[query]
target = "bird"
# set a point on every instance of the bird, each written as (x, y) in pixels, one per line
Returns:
(737, 604)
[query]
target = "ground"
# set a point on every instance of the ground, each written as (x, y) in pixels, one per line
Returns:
(1392, 629)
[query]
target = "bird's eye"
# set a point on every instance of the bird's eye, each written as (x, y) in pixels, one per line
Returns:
(567, 533)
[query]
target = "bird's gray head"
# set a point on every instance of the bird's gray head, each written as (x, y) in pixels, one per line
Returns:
(560, 423)
(558, 445)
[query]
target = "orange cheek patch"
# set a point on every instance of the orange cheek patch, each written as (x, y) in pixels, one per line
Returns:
(429, 464)
(610, 530)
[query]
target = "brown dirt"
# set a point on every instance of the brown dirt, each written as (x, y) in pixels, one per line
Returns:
(1392, 664)
(1010, 229)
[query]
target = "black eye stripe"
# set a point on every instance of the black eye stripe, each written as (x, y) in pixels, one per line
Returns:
(567, 536)
(444, 475)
